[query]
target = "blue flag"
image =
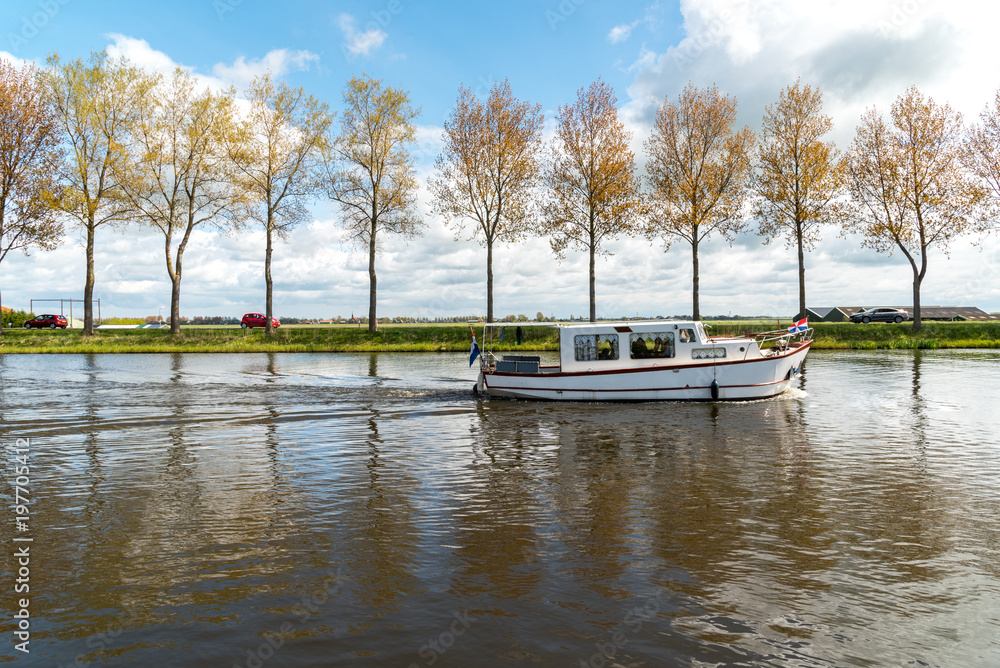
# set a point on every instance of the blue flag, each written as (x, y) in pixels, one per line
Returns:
(474, 351)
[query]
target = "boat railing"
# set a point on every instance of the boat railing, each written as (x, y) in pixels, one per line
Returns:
(779, 340)
(488, 361)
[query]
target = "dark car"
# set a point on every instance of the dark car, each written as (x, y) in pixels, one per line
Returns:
(881, 315)
(257, 320)
(47, 320)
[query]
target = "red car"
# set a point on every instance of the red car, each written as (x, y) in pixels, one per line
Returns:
(257, 320)
(45, 320)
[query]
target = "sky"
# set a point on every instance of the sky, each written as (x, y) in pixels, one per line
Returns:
(859, 53)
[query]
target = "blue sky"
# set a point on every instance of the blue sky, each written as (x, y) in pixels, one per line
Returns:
(859, 52)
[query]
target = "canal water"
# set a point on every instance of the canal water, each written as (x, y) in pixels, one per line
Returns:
(266, 510)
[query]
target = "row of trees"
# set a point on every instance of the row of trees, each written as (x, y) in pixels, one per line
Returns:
(102, 143)
(911, 183)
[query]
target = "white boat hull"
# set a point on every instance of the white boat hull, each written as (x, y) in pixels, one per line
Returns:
(737, 380)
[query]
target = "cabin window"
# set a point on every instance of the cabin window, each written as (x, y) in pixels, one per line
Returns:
(708, 353)
(651, 345)
(593, 347)
(687, 336)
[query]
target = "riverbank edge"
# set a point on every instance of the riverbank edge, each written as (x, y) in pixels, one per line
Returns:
(456, 338)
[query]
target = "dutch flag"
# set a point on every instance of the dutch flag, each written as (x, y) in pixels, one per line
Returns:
(800, 326)
(474, 351)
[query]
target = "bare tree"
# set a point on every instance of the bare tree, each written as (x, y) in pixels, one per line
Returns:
(181, 176)
(488, 170)
(96, 103)
(594, 192)
(30, 157)
(370, 170)
(908, 184)
(799, 177)
(277, 152)
(699, 171)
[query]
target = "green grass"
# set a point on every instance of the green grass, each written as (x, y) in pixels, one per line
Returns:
(425, 338)
(123, 321)
(881, 336)
(891, 336)
(455, 338)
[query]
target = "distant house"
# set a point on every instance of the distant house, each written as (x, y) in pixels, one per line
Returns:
(828, 314)
(843, 313)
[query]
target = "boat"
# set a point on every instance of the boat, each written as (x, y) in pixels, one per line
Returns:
(648, 361)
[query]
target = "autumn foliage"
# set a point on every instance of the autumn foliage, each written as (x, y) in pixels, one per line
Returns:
(29, 159)
(593, 190)
(699, 169)
(908, 183)
(488, 170)
(96, 104)
(370, 172)
(799, 177)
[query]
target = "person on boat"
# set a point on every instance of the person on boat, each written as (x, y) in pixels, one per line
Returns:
(639, 348)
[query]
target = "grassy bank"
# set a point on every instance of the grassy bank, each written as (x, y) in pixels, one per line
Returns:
(424, 338)
(889, 336)
(875, 336)
(455, 338)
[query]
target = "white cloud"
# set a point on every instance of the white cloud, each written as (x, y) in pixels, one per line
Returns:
(141, 53)
(620, 33)
(429, 143)
(858, 52)
(18, 63)
(359, 43)
(277, 62)
(647, 58)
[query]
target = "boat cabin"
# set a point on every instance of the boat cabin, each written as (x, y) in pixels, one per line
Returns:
(591, 347)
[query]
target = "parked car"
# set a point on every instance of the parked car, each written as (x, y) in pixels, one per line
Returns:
(257, 320)
(881, 315)
(46, 320)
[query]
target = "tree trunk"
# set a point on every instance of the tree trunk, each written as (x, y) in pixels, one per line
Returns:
(88, 286)
(489, 280)
(593, 289)
(802, 273)
(372, 282)
(268, 329)
(175, 293)
(175, 323)
(175, 277)
(695, 311)
(923, 272)
(175, 304)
